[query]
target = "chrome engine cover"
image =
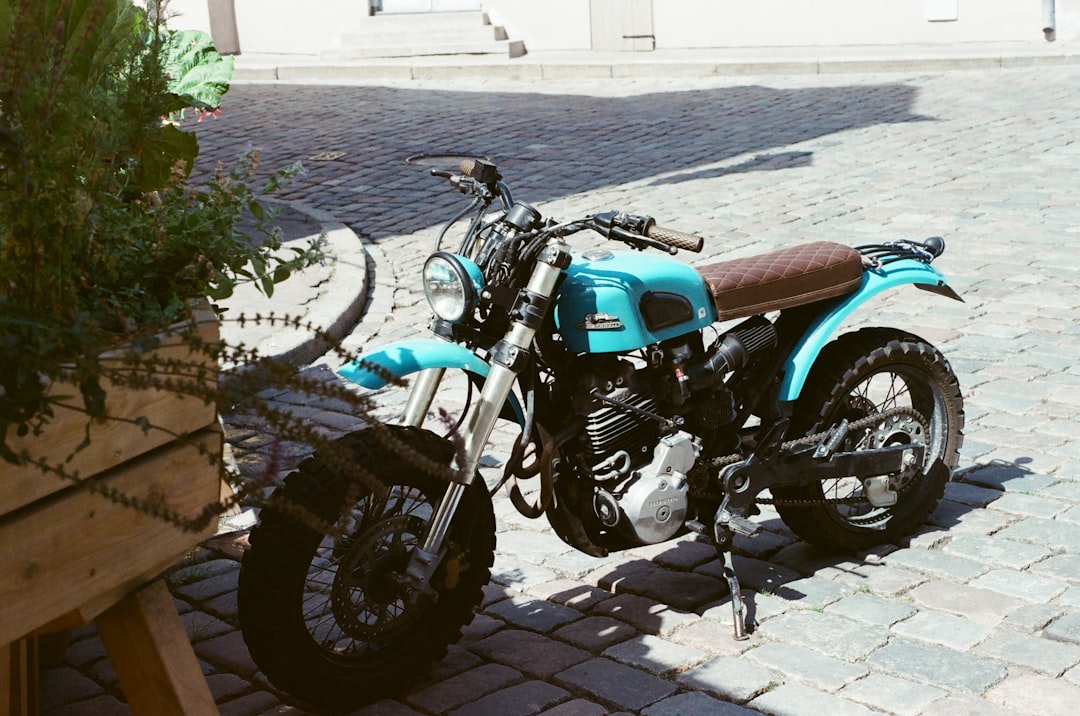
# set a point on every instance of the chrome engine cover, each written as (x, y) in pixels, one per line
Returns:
(655, 504)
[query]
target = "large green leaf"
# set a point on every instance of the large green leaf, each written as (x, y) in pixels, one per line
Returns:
(198, 75)
(161, 153)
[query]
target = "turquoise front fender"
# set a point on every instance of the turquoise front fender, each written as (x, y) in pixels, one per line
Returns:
(407, 357)
(874, 281)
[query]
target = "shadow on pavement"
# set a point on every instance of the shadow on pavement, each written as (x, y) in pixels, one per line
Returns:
(354, 140)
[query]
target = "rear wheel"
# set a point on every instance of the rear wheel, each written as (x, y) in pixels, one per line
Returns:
(858, 375)
(325, 613)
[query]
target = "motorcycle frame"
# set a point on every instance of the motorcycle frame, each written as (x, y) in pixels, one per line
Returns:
(429, 358)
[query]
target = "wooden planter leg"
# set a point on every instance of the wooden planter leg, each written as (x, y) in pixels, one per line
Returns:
(152, 655)
(19, 678)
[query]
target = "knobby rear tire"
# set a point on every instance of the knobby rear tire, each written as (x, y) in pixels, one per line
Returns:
(869, 371)
(340, 638)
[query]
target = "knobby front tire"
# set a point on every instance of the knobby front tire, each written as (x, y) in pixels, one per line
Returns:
(322, 612)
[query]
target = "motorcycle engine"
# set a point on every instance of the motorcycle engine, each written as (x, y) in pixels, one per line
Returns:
(641, 488)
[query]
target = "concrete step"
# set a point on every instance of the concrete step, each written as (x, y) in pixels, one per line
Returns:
(503, 48)
(425, 20)
(475, 33)
(425, 35)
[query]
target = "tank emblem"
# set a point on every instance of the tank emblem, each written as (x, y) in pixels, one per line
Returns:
(600, 322)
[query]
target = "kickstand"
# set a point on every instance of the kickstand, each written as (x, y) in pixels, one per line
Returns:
(738, 607)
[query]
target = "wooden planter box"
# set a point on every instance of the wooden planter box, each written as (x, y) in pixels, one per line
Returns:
(68, 556)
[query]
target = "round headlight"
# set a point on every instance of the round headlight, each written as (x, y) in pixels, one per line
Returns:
(452, 285)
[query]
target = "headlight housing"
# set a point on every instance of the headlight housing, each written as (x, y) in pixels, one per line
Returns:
(452, 285)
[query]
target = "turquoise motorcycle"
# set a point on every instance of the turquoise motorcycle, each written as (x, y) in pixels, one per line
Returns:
(650, 399)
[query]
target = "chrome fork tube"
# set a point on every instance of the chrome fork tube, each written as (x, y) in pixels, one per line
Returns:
(497, 386)
(421, 395)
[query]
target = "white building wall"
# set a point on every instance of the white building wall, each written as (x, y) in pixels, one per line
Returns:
(763, 23)
(310, 26)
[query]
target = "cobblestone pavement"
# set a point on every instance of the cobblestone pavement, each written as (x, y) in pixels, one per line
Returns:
(978, 613)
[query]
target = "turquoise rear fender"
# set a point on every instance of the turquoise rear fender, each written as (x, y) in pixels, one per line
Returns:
(407, 357)
(821, 330)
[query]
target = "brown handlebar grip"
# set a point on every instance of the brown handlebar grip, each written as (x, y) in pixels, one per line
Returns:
(686, 242)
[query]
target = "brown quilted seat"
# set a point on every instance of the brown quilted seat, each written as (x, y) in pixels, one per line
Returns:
(782, 279)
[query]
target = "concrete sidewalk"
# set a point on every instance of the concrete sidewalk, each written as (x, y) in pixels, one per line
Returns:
(663, 63)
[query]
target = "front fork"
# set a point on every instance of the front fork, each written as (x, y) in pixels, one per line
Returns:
(507, 358)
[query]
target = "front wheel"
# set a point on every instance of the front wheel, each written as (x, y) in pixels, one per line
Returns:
(325, 612)
(872, 371)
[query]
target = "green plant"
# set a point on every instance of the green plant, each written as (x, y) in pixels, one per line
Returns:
(102, 239)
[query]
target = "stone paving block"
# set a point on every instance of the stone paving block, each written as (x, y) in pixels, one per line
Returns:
(524, 699)
(1044, 655)
(105, 705)
(798, 662)
(519, 575)
(226, 686)
(1066, 629)
(463, 688)
(529, 653)
(982, 605)
(870, 609)
(656, 655)
(812, 592)
(201, 626)
(1060, 566)
(386, 707)
(973, 495)
(753, 573)
(1010, 478)
(802, 558)
(1071, 598)
(228, 652)
(1029, 505)
(457, 660)
(1032, 617)
(945, 629)
(681, 554)
(1054, 534)
(531, 546)
(938, 666)
(1023, 585)
(892, 695)
(961, 519)
(682, 590)
(570, 593)
(624, 686)
(251, 704)
(965, 705)
(735, 679)
(791, 699)
(65, 685)
(996, 551)
(830, 634)
(876, 578)
(595, 634)
(537, 614)
(644, 614)
(205, 589)
(714, 637)
(1035, 693)
(936, 564)
(577, 707)
(695, 703)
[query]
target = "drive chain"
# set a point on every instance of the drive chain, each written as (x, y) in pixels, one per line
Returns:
(867, 422)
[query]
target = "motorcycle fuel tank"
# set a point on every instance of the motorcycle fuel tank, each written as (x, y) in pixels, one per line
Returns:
(614, 301)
